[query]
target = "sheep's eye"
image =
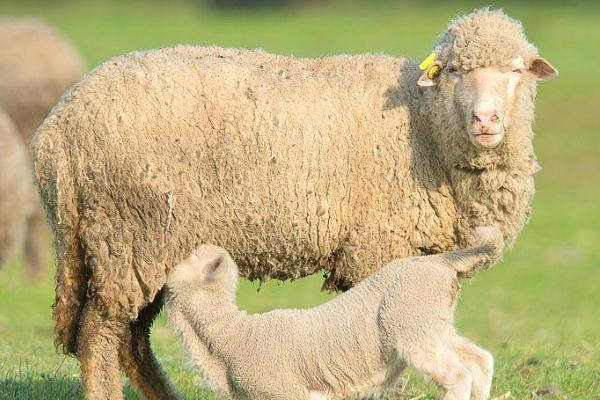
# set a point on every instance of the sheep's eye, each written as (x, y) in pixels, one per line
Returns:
(517, 70)
(452, 70)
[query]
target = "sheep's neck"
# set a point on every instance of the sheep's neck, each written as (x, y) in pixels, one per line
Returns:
(500, 195)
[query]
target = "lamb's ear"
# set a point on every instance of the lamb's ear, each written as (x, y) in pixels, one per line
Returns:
(430, 75)
(542, 70)
(215, 267)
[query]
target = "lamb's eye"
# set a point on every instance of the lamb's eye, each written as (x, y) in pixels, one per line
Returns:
(517, 70)
(452, 70)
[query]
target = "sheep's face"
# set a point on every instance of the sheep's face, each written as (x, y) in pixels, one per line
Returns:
(484, 97)
(208, 268)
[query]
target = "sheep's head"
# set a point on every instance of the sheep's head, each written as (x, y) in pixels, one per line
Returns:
(209, 268)
(479, 72)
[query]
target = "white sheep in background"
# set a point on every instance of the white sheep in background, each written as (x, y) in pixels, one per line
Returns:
(16, 193)
(37, 65)
(354, 345)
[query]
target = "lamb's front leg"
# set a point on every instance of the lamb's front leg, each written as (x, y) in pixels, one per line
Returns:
(481, 364)
(441, 363)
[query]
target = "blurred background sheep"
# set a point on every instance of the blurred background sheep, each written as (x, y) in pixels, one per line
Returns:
(37, 65)
(16, 194)
(537, 311)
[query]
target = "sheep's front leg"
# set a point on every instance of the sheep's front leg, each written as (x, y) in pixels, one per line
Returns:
(138, 360)
(98, 352)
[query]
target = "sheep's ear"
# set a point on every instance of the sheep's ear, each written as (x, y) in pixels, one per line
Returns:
(430, 75)
(542, 70)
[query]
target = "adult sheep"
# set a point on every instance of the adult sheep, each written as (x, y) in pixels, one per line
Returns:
(16, 196)
(37, 65)
(294, 165)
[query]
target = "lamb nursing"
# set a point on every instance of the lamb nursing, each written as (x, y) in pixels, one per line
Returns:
(355, 345)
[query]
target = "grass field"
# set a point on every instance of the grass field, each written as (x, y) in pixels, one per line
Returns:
(538, 311)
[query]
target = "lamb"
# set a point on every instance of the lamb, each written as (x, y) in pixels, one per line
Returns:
(296, 166)
(16, 201)
(36, 66)
(354, 345)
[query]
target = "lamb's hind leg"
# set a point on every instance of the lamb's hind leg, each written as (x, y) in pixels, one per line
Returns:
(138, 360)
(441, 363)
(97, 350)
(481, 364)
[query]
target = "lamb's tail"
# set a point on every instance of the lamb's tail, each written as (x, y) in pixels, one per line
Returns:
(56, 185)
(466, 262)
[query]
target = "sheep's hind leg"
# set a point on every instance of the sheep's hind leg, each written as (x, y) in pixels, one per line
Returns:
(444, 367)
(97, 351)
(481, 364)
(138, 360)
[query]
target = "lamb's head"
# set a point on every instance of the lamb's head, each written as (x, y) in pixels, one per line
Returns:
(208, 269)
(481, 81)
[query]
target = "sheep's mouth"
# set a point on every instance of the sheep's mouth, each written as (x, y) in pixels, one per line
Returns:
(486, 136)
(487, 140)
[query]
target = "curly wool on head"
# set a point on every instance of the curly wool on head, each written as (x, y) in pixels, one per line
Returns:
(473, 41)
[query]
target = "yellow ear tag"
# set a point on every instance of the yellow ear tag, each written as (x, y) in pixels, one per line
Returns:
(427, 62)
(433, 72)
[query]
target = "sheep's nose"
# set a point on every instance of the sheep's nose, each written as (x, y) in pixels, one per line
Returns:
(485, 118)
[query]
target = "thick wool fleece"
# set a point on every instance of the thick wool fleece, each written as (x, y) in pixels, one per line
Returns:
(16, 196)
(294, 165)
(354, 345)
(37, 65)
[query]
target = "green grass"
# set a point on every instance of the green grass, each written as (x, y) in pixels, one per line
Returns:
(538, 311)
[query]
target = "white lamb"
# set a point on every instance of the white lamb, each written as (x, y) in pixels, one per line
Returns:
(353, 346)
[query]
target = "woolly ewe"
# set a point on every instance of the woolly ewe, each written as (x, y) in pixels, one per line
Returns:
(294, 165)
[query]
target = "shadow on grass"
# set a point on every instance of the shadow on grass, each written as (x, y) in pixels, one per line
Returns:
(23, 384)
(39, 386)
